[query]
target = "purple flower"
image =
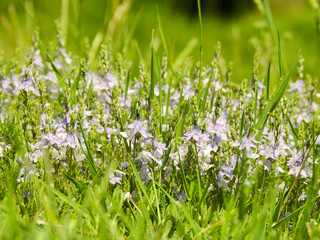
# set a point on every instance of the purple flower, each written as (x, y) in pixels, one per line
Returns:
(66, 120)
(296, 86)
(138, 126)
(268, 152)
(247, 143)
(43, 121)
(188, 92)
(144, 174)
(295, 164)
(116, 177)
(51, 138)
(146, 156)
(27, 85)
(159, 148)
(194, 134)
(71, 141)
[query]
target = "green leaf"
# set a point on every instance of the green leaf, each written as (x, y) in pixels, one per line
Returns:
(287, 218)
(80, 186)
(61, 79)
(192, 222)
(276, 99)
(3, 63)
(78, 208)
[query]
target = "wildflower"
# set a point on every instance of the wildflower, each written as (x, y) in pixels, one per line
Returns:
(71, 141)
(115, 177)
(268, 152)
(43, 121)
(27, 85)
(194, 134)
(226, 173)
(144, 174)
(296, 86)
(295, 164)
(182, 197)
(138, 126)
(247, 143)
(146, 156)
(37, 154)
(188, 92)
(159, 148)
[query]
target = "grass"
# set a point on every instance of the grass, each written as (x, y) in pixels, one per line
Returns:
(140, 134)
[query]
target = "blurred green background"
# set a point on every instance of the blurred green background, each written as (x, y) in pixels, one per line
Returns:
(129, 24)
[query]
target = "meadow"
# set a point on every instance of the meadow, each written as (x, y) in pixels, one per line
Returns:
(124, 125)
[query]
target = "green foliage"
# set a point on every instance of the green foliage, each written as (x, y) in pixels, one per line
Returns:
(91, 148)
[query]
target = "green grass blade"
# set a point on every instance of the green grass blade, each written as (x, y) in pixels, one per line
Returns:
(294, 133)
(127, 87)
(168, 101)
(181, 73)
(89, 156)
(80, 186)
(255, 105)
(279, 54)
(163, 39)
(204, 194)
(316, 114)
(287, 218)
(181, 59)
(3, 63)
(157, 199)
(166, 158)
(241, 125)
(186, 110)
(75, 87)
(270, 20)
(268, 82)
(96, 42)
(184, 180)
(276, 99)
(90, 90)
(61, 80)
(155, 72)
(205, 96)
(78, 208)
(128, 148)
(313, 189)
(192, 222)
(140, 183)
(200, 47)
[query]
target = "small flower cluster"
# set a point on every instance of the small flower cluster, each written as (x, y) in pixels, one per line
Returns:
(198, 126)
